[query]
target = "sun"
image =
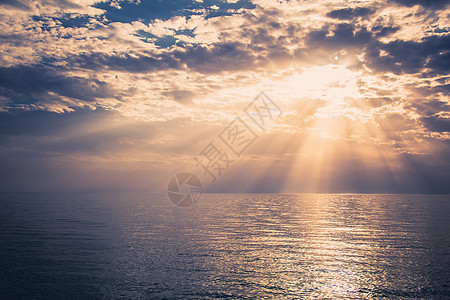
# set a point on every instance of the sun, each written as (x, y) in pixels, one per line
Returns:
(332, 83)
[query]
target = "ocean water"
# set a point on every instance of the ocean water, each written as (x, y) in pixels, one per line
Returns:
(236, 246)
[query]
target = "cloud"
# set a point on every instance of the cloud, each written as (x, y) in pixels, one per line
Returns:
(340, 36)
(204, 59)
(220, 57)
(437, 123)
(371, 78)
(181, 96)
(349, 13)
(51, 6)
(20, 4)
(136, 63)
(38, 84)
(410, 56)
(431, 4)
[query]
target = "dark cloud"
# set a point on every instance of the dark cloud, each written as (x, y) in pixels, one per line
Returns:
(258, 36)
(220, 57)
(180, 96)
(129, 62)
(20, 4)
(29, 5)
(427, 107)
(411, 56)
(213, 59)
(443, 80)
(45, 123)
(440, 62)
(436, 123)
(349, 13)
(427, 90)
(431, 4)
(66, 20)
(33, 83)
(393, 125)
(71, 133)
(381, 31)
(378, 101)
(343, 36)
(397, 56)
(444, 89)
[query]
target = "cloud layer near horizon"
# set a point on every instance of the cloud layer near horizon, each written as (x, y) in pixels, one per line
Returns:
(119, 95)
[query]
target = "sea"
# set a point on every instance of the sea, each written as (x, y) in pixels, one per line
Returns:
(227, 246)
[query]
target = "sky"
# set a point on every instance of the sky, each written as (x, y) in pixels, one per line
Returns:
(119, 96)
